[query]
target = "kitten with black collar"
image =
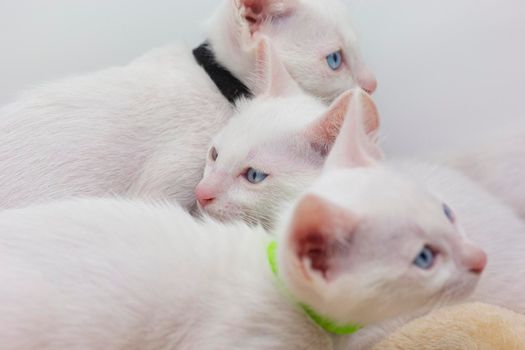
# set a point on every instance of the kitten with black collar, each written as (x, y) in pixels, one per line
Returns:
(143, 129)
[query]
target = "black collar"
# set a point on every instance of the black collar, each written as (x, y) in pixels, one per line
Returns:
(230, 87)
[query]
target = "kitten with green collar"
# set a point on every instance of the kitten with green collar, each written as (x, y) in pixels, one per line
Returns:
(397, 194)
(363, 245)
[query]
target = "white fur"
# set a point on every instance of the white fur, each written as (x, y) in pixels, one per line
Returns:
(398, 190)
(408, 192)
(286, 136)
(118, 274)
(143, 129)
(488, 223)
(76, 272)
(267, 135)
(302, 46)
(393, 197)
(110, 274)
(137, 130)
(373, 262)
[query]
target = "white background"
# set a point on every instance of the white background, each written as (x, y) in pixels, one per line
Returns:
(449, 70)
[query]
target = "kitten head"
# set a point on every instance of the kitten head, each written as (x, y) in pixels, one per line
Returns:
(366, 244)
(271, 149)
(314, 39)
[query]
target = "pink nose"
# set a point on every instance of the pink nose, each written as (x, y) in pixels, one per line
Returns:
(479, 265)
(476, 260)
(366, 79)
(205, 201)
(203, 196)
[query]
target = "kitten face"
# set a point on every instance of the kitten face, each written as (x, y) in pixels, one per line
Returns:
(323, 58)
(272, 148)
(259, 160)
(366, 244)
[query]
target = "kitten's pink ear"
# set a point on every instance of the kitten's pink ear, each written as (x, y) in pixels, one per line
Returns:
(272, 77)
(324, 131)
(356, 144)
(318, 235)
(256, 12)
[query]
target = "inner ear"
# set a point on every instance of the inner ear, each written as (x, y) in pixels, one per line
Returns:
(253, 10)
(321, 233)
(323, 132)
(356, 144)
(256, 12)
(314, 247)
(322, 148)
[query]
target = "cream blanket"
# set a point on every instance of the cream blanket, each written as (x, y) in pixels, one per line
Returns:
(464, 327)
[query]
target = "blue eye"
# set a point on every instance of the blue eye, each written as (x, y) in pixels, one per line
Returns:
(335, 60)
(255, 176)
(425, 259)
(449, 213)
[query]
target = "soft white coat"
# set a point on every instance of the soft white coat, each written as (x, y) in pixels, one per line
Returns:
(117, 274)
(143, 129)
(482, 218)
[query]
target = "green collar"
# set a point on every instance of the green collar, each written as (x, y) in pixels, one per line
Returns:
(324, 322)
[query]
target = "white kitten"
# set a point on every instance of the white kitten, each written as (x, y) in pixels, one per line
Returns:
(109, 274)
(307, 34)
(252, 183)
(362, 246)
(114, 274)
(417, 192)
(143, 129)
(273, 147)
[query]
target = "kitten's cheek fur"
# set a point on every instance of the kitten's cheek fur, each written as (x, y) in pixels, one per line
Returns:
(224, 210)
